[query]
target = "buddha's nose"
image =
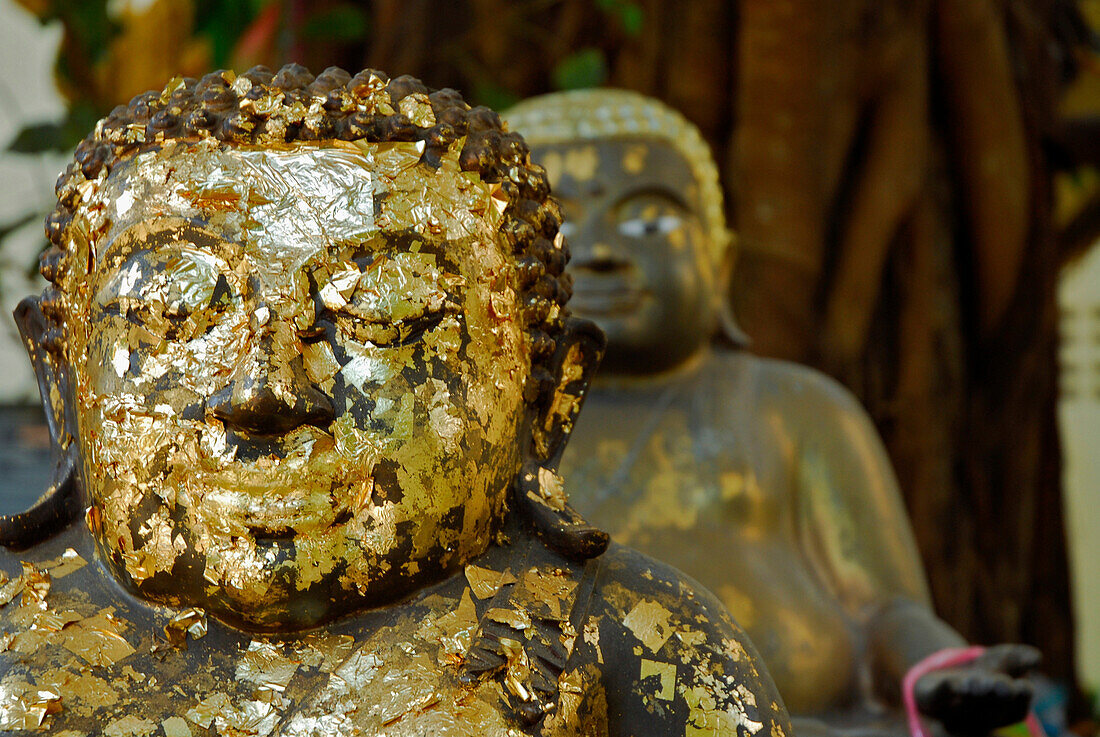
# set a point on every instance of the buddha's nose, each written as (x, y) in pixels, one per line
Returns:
(270, 394)
(599, 259)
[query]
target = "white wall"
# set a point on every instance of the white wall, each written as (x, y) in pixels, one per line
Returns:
(27, 95)
(1079, 415)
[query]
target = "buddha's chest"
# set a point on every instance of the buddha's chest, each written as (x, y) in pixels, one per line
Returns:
(80, 660)
(83, 680)
(640, 466)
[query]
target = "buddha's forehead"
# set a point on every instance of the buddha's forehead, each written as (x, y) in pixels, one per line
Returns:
(289, 206)
(614, 165)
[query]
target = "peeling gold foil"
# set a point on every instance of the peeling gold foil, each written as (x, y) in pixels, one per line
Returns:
(649, 621)
(190, 621)
(485, 583)
(265, 666)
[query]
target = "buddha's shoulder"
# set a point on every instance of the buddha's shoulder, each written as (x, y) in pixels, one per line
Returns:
(665, 638)
(773, 382)
(639, 591)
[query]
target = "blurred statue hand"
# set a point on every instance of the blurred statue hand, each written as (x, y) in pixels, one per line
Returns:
(988, 693)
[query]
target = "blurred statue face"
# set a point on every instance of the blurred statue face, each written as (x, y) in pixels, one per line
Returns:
(641, 261)
(299, 374)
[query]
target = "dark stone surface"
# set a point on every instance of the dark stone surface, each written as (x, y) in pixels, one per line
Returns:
(24, 457)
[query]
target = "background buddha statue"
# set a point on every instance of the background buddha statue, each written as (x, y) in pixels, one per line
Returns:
(762, 479)
(307, 365)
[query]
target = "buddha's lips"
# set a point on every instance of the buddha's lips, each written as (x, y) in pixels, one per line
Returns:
(311, 494)
(272, 514)
(610, 295)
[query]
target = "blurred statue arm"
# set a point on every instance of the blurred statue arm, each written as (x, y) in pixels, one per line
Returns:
(853, 526)
(855, 530)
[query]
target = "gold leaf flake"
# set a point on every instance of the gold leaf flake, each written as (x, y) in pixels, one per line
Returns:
(418, 109)
(101, 646)
(10, 589)
(551, 489)
(649, 621)
(517, 619)
(456, 630)
(65, 564)
(346, 279)
(130, 726)
(203, 713)
(331, 650)
(252, 718)
(36, 585)
(24, 706)
(175, 727)
(581, 163)
(519, 668)
(264, 665)
(546, 592)
(592, 637)
(190, 621)
(332, 298)
(666, 672)
(485, 582)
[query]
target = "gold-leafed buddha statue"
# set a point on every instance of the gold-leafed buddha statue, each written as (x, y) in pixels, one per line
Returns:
(306, 360)
(762, 479)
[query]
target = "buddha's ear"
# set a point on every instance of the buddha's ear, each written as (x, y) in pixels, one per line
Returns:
(60, 502)
(41, 338)
(577, 354)
(561, 388)
(728, 327)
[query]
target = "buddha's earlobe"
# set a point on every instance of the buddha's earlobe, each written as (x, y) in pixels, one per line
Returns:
(42, 338)
(728, 328)
(577, 355)
(538, 492)
(60, 503)
(539, 496)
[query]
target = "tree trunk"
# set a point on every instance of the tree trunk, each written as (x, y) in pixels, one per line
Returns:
(922, 276)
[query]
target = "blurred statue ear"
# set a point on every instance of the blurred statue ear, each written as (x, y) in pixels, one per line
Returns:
(60, 502)
(727, 323)
(577, 354)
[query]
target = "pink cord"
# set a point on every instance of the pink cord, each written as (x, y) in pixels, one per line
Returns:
(946, 658)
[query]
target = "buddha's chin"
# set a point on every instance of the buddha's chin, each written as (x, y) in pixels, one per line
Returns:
(263, 601)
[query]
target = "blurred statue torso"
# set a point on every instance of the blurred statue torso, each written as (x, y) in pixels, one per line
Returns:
(762, 479)
(701, 471)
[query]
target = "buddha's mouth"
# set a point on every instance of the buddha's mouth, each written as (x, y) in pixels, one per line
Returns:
(606, 295)
(307, 490)
(277, 514)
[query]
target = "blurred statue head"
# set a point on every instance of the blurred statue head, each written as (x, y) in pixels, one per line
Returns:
(302, 334)
(643, 215)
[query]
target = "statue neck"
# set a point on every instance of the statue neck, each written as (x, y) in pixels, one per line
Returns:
(683, 371)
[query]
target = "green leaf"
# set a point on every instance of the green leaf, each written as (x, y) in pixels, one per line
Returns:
(628, 13)
(583, 68)
(492, 95)
(344, 22)
(632, 17)
(223, 22)
(40, 137)
(89, 24)
(60, 136)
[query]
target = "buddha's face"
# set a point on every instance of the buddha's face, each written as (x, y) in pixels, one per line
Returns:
(641, 263)
(299, 375)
